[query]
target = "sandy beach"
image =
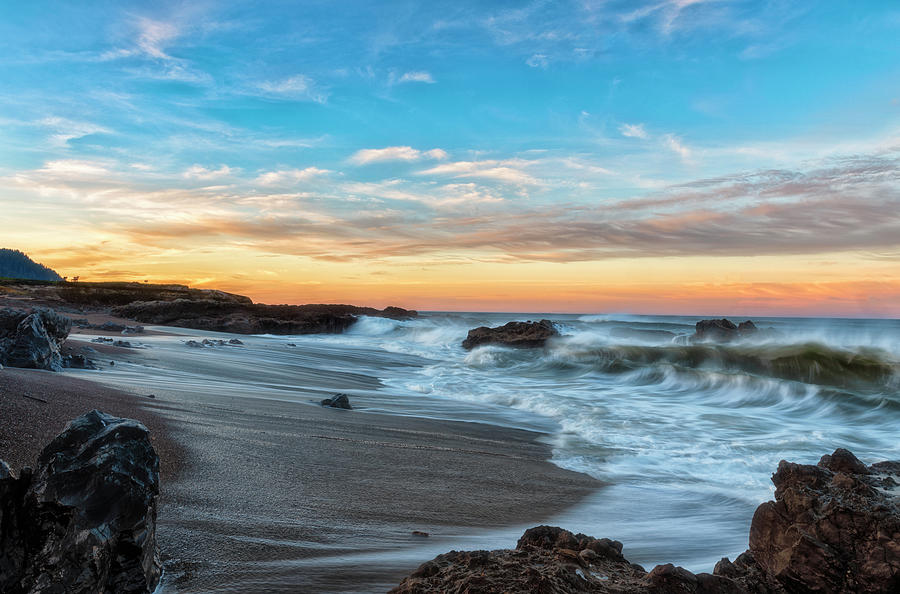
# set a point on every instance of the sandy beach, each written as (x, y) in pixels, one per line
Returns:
(277, 494)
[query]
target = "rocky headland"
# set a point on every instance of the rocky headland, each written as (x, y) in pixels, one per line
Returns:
(84, 519)
(833, 527)
(112, 305)
(513, 334)
(253, 318)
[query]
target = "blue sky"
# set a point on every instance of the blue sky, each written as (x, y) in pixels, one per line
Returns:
(380, 131)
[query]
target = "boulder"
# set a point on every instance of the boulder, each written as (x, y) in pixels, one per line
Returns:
(338, 401)
(33, 339)
(85, 519)
(514, 334)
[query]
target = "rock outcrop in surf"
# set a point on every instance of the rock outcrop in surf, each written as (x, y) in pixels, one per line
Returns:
(514, 334)
(85, 519)
(723, 330)
(833, 527)
(32, 339)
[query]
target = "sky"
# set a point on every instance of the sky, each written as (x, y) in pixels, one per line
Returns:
(704, 157)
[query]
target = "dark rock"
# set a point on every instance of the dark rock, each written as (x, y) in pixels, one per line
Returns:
(419, 533)
(102, 340)
(235, 341)
(78, 361)
(33, 339)
(338, 401)
(718, 330)
(514, 334)
(123, 343)
(133, 330)
(85, 520)
(193, 344)
(722, 330)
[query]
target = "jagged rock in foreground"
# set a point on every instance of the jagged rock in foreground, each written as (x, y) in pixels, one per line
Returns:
(33, 339)
(85, 519)
(515, 334)
(254, 318)
(833, 527)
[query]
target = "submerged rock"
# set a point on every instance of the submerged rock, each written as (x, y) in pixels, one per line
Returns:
(624, 332)
(833, 527)
(515, 334)
(78, 361)
(33, 339)
(338, 401)
(85, 519)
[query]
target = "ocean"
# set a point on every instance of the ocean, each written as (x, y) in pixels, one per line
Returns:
(683, 436)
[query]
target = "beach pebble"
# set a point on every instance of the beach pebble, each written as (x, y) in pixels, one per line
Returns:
(338, 401)
(419, 533)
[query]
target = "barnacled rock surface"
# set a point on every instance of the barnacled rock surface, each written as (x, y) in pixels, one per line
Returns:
(85, 519)
(515, 334)
(32, 339)
(833, 527)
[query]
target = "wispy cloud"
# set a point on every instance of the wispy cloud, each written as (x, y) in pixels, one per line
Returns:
(395, 153)
(633, 130)
(538, 61)
(298, 87)
(416, 76)
(509, 171)
(289, 176)
(204, 173)
(65, 130)
(674, 144)
(153, 36)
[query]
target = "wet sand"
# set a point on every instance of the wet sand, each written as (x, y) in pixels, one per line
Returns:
(267, 495)
(35, 407)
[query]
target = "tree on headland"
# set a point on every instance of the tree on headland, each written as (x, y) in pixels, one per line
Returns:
(16, 264)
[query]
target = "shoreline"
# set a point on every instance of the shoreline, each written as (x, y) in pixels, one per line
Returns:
(274, 495)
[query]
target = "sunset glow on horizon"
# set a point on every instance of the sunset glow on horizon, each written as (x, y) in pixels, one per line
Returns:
(673, 157)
